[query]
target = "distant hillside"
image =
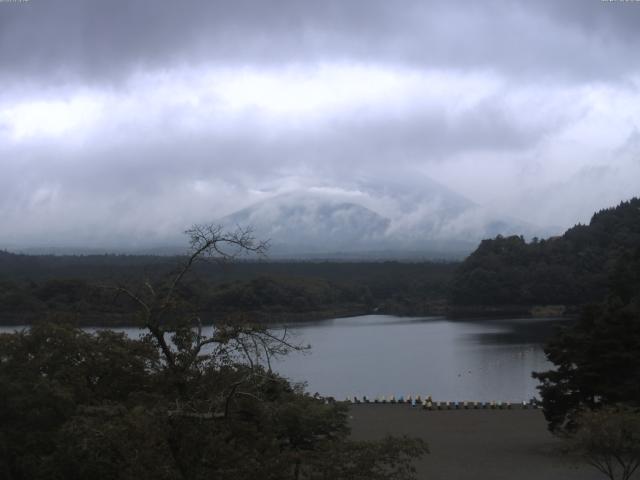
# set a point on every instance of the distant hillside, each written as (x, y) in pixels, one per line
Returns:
(576, 268)
(298, 223)
(369, 219)
(429, 223)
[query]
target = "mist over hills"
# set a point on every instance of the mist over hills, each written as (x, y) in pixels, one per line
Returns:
(395, 218)
(371, 223)
(299, 223)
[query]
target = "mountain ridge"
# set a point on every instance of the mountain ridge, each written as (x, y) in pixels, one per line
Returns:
(313, 223)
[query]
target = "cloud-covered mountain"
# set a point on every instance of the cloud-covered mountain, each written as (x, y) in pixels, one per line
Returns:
(124, 122)
(372, 220)
(308, 223)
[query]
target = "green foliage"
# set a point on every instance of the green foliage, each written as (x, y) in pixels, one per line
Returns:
(268, 292)
(46, 373)
(572, 269)
(597, 360)
(76, 405)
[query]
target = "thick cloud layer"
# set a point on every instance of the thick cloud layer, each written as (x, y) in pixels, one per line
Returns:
(103, 40)
(123, 122)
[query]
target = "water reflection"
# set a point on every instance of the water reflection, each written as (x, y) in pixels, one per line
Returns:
(517, 331)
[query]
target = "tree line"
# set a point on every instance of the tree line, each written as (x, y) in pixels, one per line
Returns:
(33, 287)
(573, 269)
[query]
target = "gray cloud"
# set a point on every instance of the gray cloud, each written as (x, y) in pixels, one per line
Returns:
(52, 40)
(150, 163)
(125, 121)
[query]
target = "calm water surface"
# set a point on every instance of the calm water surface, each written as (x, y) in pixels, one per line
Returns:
(457, 360)
(375, 355)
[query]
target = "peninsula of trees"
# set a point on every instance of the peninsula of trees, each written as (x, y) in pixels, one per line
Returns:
(571, 270)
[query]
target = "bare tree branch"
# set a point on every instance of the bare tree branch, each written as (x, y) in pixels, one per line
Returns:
(132, 296)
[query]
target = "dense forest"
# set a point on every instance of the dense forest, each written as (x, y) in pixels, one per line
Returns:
(573, 269)
(80, 287)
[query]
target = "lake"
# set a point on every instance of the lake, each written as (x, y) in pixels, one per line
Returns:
(479, 360)
(451, 360)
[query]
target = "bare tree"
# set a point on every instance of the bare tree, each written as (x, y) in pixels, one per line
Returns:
(178, 332)
(609, 439)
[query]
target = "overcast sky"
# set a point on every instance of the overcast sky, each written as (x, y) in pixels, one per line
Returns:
(133, 119)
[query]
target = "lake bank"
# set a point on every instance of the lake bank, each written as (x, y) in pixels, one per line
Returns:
(275, 317)
(474, 444)
(454, 312)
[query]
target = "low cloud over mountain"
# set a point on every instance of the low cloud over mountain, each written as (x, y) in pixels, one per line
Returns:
(373, 222)
(124, 122)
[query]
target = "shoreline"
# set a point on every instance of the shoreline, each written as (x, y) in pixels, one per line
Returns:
(107, 320)
(474, 444)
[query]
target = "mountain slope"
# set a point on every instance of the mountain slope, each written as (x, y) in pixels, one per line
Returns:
(378, 220)
(300, 223)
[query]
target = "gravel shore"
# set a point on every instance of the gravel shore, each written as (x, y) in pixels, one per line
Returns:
(475, 444)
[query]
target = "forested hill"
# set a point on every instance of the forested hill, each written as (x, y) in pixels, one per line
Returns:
(577, 268)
